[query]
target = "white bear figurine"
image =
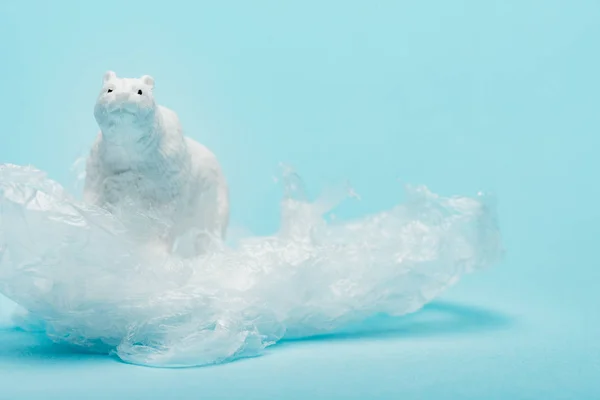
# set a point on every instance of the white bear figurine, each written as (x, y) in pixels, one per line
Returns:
(142, 162)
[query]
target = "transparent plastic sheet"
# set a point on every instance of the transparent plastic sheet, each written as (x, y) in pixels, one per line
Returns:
(79, 271)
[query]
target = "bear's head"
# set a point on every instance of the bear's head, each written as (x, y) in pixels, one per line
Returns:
(125, 108)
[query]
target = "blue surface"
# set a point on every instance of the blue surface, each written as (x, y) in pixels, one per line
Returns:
(460, 96)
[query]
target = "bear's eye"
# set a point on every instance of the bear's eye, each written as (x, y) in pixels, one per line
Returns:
(109, 90)
(140, 92)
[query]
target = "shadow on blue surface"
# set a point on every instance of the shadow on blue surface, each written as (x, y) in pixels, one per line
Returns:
(436, 319)
(20, 346)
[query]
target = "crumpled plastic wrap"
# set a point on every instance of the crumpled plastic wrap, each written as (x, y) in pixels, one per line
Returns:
(79, 272)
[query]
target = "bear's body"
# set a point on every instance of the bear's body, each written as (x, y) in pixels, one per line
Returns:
(142, 162)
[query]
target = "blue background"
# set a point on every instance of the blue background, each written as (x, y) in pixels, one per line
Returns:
(458, 95)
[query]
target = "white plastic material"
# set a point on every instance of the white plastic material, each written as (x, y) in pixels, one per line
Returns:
(78, 269)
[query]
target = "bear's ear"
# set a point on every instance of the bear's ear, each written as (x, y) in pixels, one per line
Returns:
(148, 80)
(109, 76)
